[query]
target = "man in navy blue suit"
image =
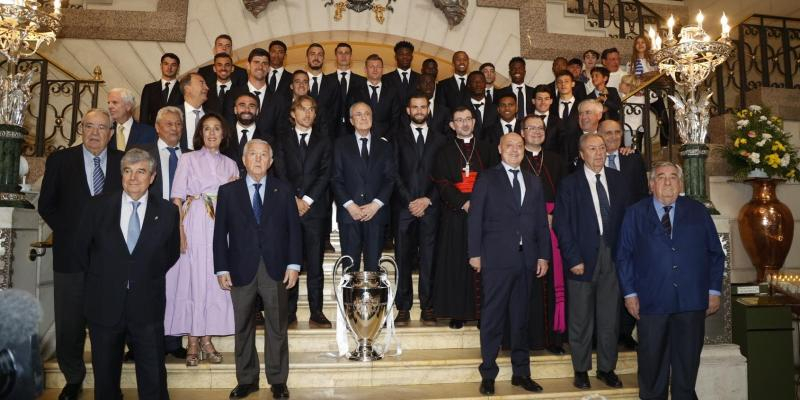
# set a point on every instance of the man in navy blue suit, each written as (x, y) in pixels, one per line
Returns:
(125, 131)
(589, 207)
(509, 243)
(670, 264)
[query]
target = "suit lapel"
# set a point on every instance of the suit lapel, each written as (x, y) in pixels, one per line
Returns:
(268, 194)
(244, 194)
(85, 180)
(501, 170)
(115, 219)
(150, 219)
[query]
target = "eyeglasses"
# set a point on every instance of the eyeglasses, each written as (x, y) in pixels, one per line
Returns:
(463, 120)
(533, 129)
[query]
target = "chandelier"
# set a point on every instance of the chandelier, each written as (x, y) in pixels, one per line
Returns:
(26, 25)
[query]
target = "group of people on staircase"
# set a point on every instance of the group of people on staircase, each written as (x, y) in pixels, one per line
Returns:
(523, 208)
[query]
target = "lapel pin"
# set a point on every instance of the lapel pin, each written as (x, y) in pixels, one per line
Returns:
(275, 190)
(156, 218)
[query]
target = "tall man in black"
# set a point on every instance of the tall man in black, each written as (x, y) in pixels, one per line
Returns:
(508, 236)
(238, 75)
(507, 121)
(246, 112)
(452, 92)
(323, 88)
(222, 83)
(382, 99)
(483, 109)
(257, 252)
(139, 230)
(521, 92)
(589, 207)
(303, 159)
(347, 81)
(278, 79)
(542, 101)
(363, 179)
(438, 115)
(163, 92)
(266, 121)
(73, 176)
(402, 78)
(416, 208)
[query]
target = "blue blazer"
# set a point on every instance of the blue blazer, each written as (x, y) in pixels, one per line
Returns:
(359, 181)
(670, 275)
(140, 134)
(497, 221)
(575, 221)
(239, 242)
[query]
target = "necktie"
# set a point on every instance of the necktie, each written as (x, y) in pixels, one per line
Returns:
(98, 178)
(488, 96)
(222, 91)
(173, 165)
(196, 121)
(478, 111)
(165, 93)
(314, 88)
(565, 113)
(605, 207)
(515, 189)
(258, 205)
(665, 222)
(373, 98)
(343, 84)
(405, 78)
(273, 81)
(611, 162)
(509, 128)
(364, 151)
(639, 67)
(303, 146)
(120, 137)
(243, 141)
(461, 85)
(520, 104)
(420, 142)
(133, 227)
(544, 119)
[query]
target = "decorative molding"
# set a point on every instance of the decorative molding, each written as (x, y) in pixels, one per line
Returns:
(359, 6)
(256, 6)
(166, 24)
(6, 256)
(453, 10)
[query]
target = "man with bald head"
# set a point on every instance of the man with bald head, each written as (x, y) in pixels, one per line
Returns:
(452, 92)
(509, 244)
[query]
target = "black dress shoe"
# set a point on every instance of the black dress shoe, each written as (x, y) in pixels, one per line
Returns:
(241, 391)
(292, 323)
(402, 318)
(280, 391)
(487, 387)
(610, 378)
(319, 320)
(180, 352)
(428, 318)
(456, 324)
(526, 383)
(128, 357)
(628, 342)
(581, 380)
(557, 350)
(70, 392)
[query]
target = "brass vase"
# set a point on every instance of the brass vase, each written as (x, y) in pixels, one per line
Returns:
(767, 227)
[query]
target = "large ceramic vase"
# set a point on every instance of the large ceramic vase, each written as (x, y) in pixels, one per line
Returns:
(767, 227)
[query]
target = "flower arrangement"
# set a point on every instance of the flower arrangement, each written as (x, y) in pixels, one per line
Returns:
(760, 148)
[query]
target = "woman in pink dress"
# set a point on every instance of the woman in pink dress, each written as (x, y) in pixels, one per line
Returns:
(196, 306)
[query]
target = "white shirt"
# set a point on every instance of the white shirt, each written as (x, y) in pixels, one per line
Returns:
(358, 143)
(251, 129)
(261, 93)
(407, 72)
(515, 90)
(163, 155)
(615, 77)
(545, 116)
(505, 125)
(416, 132)
(311, 78)
(299, 132)
(519, 178)
(172, 84)
(277, 76)
(480, 105)
(227, 84)
(346, 77)
(561, 106)
(126, 129)
(127, 210)
(188, 111)
(490, 91)
(369, 89)
(590, 176)
(458, 79)
(616, 160)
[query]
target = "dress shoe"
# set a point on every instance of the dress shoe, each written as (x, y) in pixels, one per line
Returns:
(402, 318)
(292, 323)
(628, 342)
(319, 320)
(180, 352)
(456, 324)
(610, 378)
(557, 350)
(241, 391)
(487, 387)
(70, 392)
(526, 383)
(428, 318)
(581, 380)
(128, 357)
(259, 318)
(280, 391)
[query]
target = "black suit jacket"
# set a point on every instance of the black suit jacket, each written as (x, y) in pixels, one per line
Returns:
(579, 90)
(494, 132)
(309, 176)
(152, 102)
(413, 179)
(268, 119)
(216, 103)
(282, 89)
(385, 115)
(488, 118)
(448, 93)
(140, 134)
(635, 174)
(360, 181)
(404, 92)
(238, 76)
(552, 139)
(240, 242)
(120, 283)
(612, 105)
(343, 125)
(328, 103)
(529, 96)
(65, 192)
(569, 132)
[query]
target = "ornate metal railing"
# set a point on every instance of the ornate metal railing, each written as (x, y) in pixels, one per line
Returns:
(58, 100)
(648, 119)
(621, 18)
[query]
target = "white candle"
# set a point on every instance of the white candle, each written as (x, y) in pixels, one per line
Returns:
(670, 25)
(699, 19)
(725, 28)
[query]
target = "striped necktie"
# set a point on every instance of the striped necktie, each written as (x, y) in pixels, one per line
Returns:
(98, 178)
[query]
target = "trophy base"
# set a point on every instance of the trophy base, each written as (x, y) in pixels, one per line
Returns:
(364, 352)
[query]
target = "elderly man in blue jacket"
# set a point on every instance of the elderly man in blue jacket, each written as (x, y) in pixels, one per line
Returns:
(670, 263)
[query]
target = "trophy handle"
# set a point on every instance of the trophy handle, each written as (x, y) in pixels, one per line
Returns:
(339, 302)
(390, 260)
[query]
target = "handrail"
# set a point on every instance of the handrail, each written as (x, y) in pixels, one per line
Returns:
(642, 86)
(61, 67)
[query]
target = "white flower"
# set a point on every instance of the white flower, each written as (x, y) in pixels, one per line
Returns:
(754, 108)
(755, 158)
(785, 160)
(766, 136)
(742, 123)
(762, 118)
(769, 123)
(761, 142)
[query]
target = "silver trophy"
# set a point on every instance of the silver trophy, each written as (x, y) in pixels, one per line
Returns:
(365, 300)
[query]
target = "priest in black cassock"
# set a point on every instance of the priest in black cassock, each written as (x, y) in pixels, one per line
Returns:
(456, 288)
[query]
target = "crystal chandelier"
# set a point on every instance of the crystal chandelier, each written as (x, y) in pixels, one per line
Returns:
(26, 25)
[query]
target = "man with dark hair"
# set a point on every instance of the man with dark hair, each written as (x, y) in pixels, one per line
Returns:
(245, 109)
(195, 93)
(267, 116)
(431, 67)
(507, 121)
(483, 110)
(348, 80)
(403, 78)
(542, 101)
(608, 96)
(382, 99)
(238, 75)
(522, 92)
(565, 108)
(452, 92)
(560, 64)
(278, 79)
(221, 84)
(323, 88)
(438, 115)
(489, 73)
(162, 92)
(611, 60)
(575, 67)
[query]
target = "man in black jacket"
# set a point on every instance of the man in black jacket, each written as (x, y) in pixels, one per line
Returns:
(163, 92)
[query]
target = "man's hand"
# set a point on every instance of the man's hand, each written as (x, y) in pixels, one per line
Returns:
(577, 270)
(418, 206)
(224, 281)
(475, 263)
(632, 305)
(541, 268)
(302, 206)
(465, 207)
(626, 150)
(290, 278)
(355, 212)
(713, 304)
(369, 210)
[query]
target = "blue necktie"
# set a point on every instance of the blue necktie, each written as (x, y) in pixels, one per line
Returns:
(98, 178)
(173, 165)
(133, 227)
(515, 189)
(258, 205)
(605, 206)
(611, 161)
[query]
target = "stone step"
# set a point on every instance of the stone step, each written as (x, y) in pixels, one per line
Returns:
(327, 283)
(319, 370)
(554, 389)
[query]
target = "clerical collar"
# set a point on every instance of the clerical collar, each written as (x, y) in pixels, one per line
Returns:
(534, 153)
(465, 140)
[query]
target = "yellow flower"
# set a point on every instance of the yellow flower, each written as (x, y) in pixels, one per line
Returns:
(778, 146)
(739, 141)
(790, 174)
(773, 160)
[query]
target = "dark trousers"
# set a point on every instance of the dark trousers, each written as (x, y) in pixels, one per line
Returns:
(598, 301)
(366, 237)
(626, 321)
(312, 265)
(501, 291)
(68, 298)
(670, 344)
(172, 343)
(147, 342)
(415, 239)
(276, 343)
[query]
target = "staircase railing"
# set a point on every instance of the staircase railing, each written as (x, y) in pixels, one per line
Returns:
(626, 18)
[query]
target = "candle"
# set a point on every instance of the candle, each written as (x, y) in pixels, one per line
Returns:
(658, 43)
(699, 19)
(670, 25)
(725, 28)
(652, 34)
(57, 7)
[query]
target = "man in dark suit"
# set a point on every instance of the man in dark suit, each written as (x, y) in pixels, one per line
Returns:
(589, 207)
(565, 108)
(363, 179)
(126, 132)
(488, 71)
(508, 236)
(607, 95)
(222, 83)
(507, 121)
(323, 88)
(670, 265)
(438, 115)
(347, 81)
(71, 177)
(402, 78)
(257, 252)
(382, 99)
(483, 110)
(542, 101)
(258, 64)
(415, 207)
(560, 64)
(522, 92)
(246, 112)
(238, 76)
(163, 92)
(139, 230)
(452, 91)
(278, 78)
(303, 158)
